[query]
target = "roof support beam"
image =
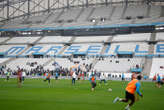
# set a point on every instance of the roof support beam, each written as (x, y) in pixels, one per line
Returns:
(48, 6)
(8, 9)
(18, 9)
(87, 3)
(28, 10)
(38, 5)
(68, 4)
(57, 1)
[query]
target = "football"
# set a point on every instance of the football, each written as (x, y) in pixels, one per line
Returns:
(109, 89)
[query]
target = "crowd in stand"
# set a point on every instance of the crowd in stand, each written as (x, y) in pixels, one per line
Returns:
(40, 71)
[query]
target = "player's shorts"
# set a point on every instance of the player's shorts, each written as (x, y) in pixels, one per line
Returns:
(56, 77)
(130, 96)
(48, 79)
(23, 78)
(8, 77)
(93, 84)
(20, 79)
(102, 80)
(159, 82)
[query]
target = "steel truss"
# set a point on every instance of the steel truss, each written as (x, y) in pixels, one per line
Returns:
(10, 9)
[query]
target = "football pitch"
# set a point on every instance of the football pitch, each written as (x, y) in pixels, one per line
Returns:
(62, 95)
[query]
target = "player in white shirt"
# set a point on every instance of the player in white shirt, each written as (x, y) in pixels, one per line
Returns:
(74, 76)
(102, 78)
(23, 76)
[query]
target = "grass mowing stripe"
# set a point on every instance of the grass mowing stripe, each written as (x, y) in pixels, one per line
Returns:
(62, 95)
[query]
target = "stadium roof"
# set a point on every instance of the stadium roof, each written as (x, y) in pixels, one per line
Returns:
(10, 9)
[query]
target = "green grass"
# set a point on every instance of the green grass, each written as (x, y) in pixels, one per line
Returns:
(61, 95)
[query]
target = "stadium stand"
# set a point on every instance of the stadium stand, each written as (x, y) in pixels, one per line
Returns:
(117, 13)
(3, 39)
(69, 15)
(140, 11)
(64, 62)
(89, 39)
(101, 12)
(26, 63)
(44, 49)
(89, 49)
(54, 15)
(157, 67)
(155, 11)
(132, 37)
(82, 19)
(160, 50)
(2, 60)
(83, 45)
(127, 47)
(160, 36)
(22, 40)
(55, 39)
(36, 19)
(142, 48)
(118, 65)
(16, 23)
(8, 49)
(49, 65)
(84, 60)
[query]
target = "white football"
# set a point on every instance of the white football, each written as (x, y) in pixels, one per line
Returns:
(109, 89)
